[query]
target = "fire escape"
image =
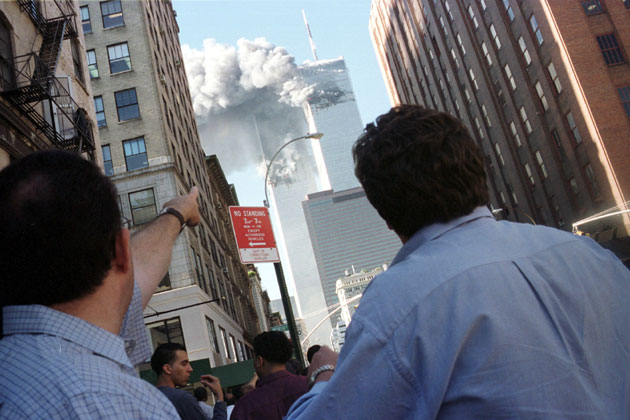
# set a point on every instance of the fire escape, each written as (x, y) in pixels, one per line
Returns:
(38, 94)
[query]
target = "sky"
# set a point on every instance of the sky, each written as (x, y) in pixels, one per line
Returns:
(339, 28)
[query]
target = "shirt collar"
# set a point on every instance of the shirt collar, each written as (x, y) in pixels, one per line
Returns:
(428, 233)
(38, 319)
(269, 378)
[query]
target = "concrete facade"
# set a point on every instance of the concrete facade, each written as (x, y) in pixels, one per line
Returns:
(534, 87)
(155, 154)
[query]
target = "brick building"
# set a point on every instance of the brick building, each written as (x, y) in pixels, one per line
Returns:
(544, 86)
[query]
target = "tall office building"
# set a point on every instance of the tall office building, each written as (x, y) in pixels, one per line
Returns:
(320, 165)
(45, 95)
(152, 152)
(544, 86)
(347, 235)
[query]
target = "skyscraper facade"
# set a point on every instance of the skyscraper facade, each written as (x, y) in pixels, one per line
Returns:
(151, 151)
(347, 235)
(544, 86)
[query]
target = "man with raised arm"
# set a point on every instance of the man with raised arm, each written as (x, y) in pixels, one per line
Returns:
(74, 284)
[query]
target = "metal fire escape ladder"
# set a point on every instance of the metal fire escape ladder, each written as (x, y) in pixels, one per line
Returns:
(59, 117)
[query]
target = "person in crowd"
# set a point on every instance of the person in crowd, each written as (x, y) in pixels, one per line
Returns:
(172, 367)
(74, 284)
(475, 318)
(201, 395)
(276, 389)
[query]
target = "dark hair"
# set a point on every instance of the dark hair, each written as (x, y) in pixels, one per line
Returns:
(419, 166)
(273, 346)
(311, 352)
(58, 225)
(165, 354)
(200, 393)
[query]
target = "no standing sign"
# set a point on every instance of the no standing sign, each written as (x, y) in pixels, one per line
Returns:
(254, 235)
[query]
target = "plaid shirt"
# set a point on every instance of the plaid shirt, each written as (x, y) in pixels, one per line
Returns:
(56, 366)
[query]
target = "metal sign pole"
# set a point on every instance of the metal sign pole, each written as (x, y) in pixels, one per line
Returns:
(288, 312)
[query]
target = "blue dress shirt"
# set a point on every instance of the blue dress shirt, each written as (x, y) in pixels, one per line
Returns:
(56, 366)
(479, 319)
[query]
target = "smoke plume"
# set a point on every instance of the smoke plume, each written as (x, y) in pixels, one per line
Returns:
(247, 98)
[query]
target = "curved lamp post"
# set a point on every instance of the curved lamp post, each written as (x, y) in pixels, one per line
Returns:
(307, 136)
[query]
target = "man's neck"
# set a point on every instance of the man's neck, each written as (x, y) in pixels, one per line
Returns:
(163, 380)
(271, 369)
(91, 309)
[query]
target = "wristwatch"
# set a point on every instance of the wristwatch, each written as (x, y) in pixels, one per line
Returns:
(316, 372)
(176, 213)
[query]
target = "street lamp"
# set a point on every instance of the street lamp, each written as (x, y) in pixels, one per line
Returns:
(308, 136)
(282, 285)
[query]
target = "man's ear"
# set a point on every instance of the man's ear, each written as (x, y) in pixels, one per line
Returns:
(258, 361)
(167, 369)
(122, 258)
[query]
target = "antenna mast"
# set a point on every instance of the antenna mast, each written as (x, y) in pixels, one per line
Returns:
(310, 37)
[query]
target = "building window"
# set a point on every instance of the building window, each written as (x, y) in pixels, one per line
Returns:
(576, 133)
(610, 49)
(508, 9)
(165, 283)
(454, 58)
(201, 279)
(541, 95)
(590, 175)
(486, 117)
(471, 12)
(515, 135)
(448, 11)
(624, 94)
(558, 143)
(166, 331)
(76, 60)
(530, 176)
(7, 77)
(525, 120)
(107, 160)
(483, 4)
(461, 44)
(536, 29)
(508, 74)
(241, 352)
(212, 333)
(112, 14)
(541, 164)
(119, 60)
(233, 348)
(443, 25)
(592, 7)
(100, 111)
(135, 154)
(479, 130)
(574, 186)
(467, 94)
(554, 77)
(211, 281)
(226, 346)
(495, 36)
(486, 53)
(127, 104)
(521, 43)
(143, 208)
(92, 65)
(497, 148)
(85, 20)
(473, 80)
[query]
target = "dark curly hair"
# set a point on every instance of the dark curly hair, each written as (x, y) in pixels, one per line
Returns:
(273, 346)
(419, 166)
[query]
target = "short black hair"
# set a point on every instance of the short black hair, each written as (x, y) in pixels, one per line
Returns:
(273, 346)
(58, 224)
(419, 166)
(311, 352)
(200, 393)
(165, 354)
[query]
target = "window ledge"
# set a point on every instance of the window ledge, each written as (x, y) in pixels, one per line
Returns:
(131, 120)
(121, 72)
(114, 27)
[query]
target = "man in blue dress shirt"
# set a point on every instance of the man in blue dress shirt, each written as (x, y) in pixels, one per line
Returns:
(72, 312)
(475, 319)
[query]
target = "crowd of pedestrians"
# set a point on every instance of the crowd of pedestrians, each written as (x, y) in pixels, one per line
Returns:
(475, 318)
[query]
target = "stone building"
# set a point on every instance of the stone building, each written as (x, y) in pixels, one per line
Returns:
(45, 94)
(544, 86)
(151, 150)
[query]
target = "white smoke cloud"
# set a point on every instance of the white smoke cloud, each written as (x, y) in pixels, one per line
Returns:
(244, 97)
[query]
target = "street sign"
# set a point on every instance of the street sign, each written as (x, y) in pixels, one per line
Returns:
(254, 235)
(283, 327)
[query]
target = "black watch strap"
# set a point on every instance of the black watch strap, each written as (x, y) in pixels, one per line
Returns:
(180, 217)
